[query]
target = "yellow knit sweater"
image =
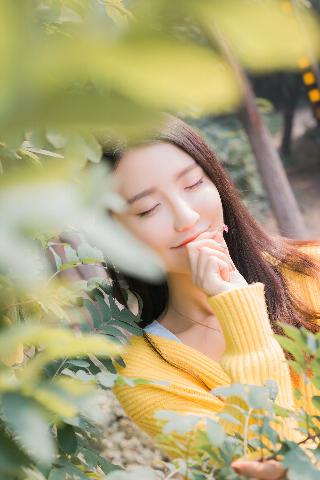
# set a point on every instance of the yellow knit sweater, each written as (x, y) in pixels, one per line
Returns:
(252, 356)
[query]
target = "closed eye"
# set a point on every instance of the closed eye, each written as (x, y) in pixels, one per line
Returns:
(191, 187)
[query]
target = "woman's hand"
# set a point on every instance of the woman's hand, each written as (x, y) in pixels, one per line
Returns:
(266, 470)
(211, 265)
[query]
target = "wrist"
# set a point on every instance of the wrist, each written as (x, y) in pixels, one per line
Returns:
(236, 282)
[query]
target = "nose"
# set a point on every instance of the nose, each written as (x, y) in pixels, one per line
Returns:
(185, 216)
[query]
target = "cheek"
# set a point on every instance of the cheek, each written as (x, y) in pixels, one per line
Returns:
(154, 235)
(210, 202)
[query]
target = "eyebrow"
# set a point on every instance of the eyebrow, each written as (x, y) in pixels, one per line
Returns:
(144, 193)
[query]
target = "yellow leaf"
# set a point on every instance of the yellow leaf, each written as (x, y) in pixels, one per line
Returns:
(54, 402)
(15, 357)
(58, 342)
(262, 35)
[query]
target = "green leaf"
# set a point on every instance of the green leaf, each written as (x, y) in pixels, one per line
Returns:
(259, 397)
(229, 418)
(298, 464)
(93, 312)
(291, 346)
(316, 382)
(215, 433)
(57, 474)
(177, 422)
(12, 457)
(115, 332)
(93, 149)
(71, 255)
(234, 390)
(282, 411)
(26, 420)
(56, 138)
(316, 401)
(68, 469)
(89, 254)
(56, 257)
(105, 310)
(67, 439)
(296, 334)
(93, 459)
(107, 362)
(106, 379)
(120, 361)
(180, 72)
(130, 328)
(139, 473)
(279, 40)
(273, 389)
(115, 312)
(79, 363)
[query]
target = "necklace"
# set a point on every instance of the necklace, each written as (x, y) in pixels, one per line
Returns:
(194, 321)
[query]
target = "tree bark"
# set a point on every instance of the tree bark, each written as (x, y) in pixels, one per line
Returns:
(282, 199)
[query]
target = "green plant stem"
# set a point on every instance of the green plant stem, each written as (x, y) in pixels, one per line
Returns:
(246, 432)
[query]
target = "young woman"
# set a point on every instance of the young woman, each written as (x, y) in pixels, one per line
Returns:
(211, 322)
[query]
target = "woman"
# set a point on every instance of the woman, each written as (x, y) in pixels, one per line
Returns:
(228, 283)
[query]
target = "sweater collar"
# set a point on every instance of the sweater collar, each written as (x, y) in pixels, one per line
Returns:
(186, 358)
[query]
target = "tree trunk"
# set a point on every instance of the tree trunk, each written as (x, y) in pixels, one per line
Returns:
(283, 202)
(273, 174)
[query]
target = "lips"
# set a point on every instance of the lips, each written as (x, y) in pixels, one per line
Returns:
(191, 238)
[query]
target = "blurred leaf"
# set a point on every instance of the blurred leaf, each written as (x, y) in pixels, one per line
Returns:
(160, 71)
(12, 455)
(28, 423)
(67, 439)
(316, 401)
(56, 138)
(59, 342)
(139, 473)
(298, 464)
(177, 422)
(291, 346)
(106, 379)
(89, 254)
(277, 39)
(215, 433)
(93, 459)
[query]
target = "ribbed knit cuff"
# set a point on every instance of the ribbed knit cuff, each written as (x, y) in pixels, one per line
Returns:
(243, 316)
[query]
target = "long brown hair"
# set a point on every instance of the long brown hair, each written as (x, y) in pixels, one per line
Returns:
(258, 256)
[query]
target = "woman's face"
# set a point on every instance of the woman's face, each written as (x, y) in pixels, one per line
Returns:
(170, 198)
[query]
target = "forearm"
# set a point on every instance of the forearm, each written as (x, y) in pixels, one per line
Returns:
(252, 353)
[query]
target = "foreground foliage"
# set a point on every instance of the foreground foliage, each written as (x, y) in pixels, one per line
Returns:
(93, 69)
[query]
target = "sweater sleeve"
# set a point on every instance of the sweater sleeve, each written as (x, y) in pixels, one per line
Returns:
(252, 354)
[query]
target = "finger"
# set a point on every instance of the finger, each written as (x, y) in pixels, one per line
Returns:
(214, 266)
(216, 236)
(268, 470)
(214, 245)
(193, 256)
(206, 252)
